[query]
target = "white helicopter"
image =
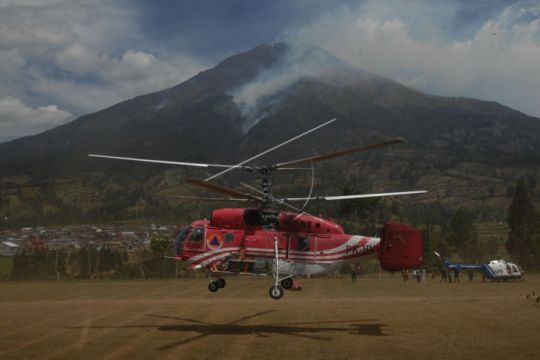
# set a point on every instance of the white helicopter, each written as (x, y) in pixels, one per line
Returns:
(495, 270)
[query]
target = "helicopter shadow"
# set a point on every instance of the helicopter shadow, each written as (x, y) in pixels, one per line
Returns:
(315, 330)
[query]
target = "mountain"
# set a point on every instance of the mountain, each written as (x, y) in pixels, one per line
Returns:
(464, 151)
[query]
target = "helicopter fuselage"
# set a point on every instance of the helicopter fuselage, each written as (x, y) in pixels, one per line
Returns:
(240, 241)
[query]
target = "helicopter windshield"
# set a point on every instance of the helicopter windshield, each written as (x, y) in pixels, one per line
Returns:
(180, 239)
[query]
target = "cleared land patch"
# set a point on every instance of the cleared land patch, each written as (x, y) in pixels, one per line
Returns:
(329, 319)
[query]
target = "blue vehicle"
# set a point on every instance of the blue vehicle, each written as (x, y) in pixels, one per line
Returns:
(495, 270)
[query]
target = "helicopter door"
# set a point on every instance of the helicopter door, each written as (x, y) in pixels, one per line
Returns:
(302, 247)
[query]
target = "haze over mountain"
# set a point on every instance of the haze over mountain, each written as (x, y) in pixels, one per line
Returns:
(464, 151)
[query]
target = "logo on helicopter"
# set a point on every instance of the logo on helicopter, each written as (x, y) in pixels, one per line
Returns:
(214, 241)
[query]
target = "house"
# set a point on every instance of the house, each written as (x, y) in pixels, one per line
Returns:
(8, 248)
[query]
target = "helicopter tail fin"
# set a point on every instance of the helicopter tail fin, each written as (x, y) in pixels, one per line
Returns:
(401, 247)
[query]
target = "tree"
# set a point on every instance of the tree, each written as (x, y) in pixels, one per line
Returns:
(463, 237)
(362, 208)
(160, 244)
(523, 223)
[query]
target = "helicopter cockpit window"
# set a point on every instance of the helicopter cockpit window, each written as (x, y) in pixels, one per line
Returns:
(303, 244)
(183, 234)
(181, 238)
(197, 234)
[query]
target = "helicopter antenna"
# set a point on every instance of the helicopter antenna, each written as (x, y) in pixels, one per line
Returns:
(269, 150)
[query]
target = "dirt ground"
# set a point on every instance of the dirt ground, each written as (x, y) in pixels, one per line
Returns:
(329, 319)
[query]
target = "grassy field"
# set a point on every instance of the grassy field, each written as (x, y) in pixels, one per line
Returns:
(6, 263)
(329, 319)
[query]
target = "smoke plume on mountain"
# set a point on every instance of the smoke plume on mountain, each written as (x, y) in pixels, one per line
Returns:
(258, 98)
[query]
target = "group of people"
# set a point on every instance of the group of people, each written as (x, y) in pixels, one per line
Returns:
(446, 275)
(420, 275)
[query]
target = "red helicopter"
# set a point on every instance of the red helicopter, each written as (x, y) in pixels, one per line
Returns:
(262, 240)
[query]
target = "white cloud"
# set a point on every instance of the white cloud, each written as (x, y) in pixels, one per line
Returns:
(79, 59)
(82, 55)
(18, 119)
(408, 41)
(116, 81)
(133, 65)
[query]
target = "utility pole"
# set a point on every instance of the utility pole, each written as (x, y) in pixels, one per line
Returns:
(89, 264)
(56, 266)
(96, 270)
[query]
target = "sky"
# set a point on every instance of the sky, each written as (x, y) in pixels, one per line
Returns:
(60, 59)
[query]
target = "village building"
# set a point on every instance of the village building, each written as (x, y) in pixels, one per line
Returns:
(9, 248)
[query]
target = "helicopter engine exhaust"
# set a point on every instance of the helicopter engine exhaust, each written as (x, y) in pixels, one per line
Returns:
(401, 247)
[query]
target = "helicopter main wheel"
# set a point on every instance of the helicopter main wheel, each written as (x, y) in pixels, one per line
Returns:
(276, 292)
(221, 283)
(213, 286)
(287, 283)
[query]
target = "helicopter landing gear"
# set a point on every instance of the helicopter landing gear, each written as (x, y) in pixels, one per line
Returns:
(213, 286)
(287, 283)
(221, 283)
(276, 292)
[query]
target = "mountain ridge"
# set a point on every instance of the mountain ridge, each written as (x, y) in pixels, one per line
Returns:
(256, 99)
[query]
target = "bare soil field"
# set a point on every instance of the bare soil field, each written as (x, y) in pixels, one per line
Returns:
(329, 319)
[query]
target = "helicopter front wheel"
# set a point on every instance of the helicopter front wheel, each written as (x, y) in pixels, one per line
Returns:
(213, 286)
(276, 292)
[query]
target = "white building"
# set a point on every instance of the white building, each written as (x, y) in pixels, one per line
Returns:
(8, 248)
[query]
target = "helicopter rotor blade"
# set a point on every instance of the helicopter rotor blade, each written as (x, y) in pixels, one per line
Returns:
(356, 196)
(183, 163)
(269, 150)
(199, 198)
(341, 153)
(219, 189)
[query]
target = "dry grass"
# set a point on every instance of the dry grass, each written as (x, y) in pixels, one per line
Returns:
(329, 319)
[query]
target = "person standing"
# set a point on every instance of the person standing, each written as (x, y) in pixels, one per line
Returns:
(456, 275)
(444, 274)
(405, 274)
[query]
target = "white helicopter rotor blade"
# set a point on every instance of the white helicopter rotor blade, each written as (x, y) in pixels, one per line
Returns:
(163, 161)
(269, 150)
(199, 198)
(356, 196)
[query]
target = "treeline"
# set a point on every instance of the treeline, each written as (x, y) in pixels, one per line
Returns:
(455, 233)
(452, 232)
(524, 221)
